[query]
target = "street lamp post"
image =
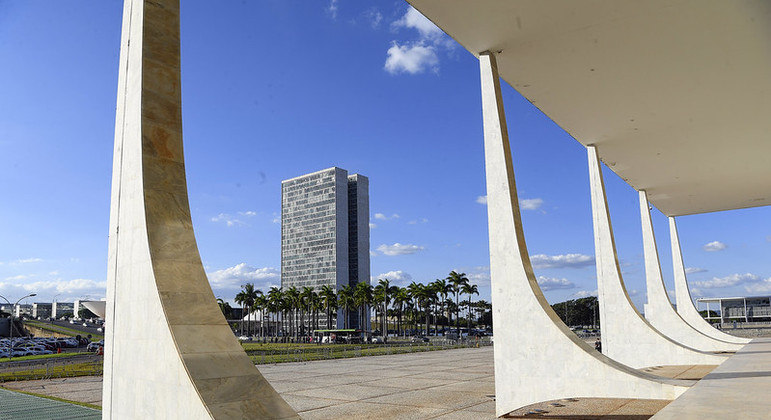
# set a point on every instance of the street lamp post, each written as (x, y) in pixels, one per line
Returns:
(10, 334)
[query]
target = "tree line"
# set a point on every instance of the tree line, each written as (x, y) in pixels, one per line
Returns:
(296, 311)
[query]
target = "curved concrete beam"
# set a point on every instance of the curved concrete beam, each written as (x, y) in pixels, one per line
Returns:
(626, 336)
(659, 311)
(685, 307)
(170, 354)
(537, 358)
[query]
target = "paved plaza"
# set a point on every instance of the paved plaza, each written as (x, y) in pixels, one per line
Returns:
(459, 384)
(449, 384)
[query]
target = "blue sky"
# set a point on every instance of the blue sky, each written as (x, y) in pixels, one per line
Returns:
(276, 89)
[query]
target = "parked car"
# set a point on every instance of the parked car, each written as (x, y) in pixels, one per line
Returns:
(95, 345)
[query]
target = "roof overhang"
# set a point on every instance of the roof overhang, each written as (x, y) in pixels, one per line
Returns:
(675, 94)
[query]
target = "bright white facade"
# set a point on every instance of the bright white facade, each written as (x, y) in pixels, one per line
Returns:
(169, 352)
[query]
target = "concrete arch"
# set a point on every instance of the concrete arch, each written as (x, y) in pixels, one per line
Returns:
(169, 350)
(683, 298)
(539, 359)
(659, 311)
(626, 336)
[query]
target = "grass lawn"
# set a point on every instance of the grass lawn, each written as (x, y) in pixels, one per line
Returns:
(42, 356)
(295, 352)
(62, 330)
(60, 371)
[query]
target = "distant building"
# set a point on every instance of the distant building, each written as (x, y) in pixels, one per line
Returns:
(325, 234)
(41, 310)
(743, 309)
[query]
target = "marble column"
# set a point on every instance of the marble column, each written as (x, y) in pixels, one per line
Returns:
(626, 336)
(169, 351)
(659, 310)
(683, 298)
(537, 357)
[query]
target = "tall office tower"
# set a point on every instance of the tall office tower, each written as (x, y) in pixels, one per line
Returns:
(325, 235)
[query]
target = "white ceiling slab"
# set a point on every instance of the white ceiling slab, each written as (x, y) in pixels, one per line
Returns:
(675, 94)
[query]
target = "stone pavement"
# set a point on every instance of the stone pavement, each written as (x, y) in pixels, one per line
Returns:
(87, 389)
(448, 384)
(438, 384)
(738, 388)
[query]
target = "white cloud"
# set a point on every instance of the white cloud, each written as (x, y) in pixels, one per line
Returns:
(47, 289)
(397, 277)
(415, 222)
(227, 219)
(411, 58)
(633, 293)
(242, 273)
(372, 225)
(561, 261)
(399, 249)
(332, 9)
(24, 261)
(553, 283)
(584, 293)
(727, 281)
(230, 220)
(530, 203)
(715, 246)
(694, 270)
(374, 17)
(381, 216)
(415, 20)
(764, 286)
(16, 278)
(524, 204)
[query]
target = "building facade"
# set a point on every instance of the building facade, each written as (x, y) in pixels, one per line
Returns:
(325, 235)
(742, 309)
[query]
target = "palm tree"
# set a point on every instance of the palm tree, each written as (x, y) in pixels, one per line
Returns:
(401, 297)
(345, 300)
(260, 304)
(275, 297)
(388, 293)
(329, 296)
(306, 304)
(362, 295)
(241, 300)
(292, 295)
(457, 280)
(444, 289)
(469, 290)
(247, 295)
(414, 290)
(227, 311)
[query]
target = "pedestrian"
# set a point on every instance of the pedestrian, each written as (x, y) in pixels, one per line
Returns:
(598, 345)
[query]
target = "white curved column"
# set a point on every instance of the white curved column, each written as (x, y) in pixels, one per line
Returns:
(626, 336)
(170, 354)
(537, 358)
(685, 307)
(659, 311)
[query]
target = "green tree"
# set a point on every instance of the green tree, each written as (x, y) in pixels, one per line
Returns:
(329, 297)
(469, 290)
(362, 296)
(275, 299)
(457, 280)
(227, 311)
(345, 300)
(401, 298)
